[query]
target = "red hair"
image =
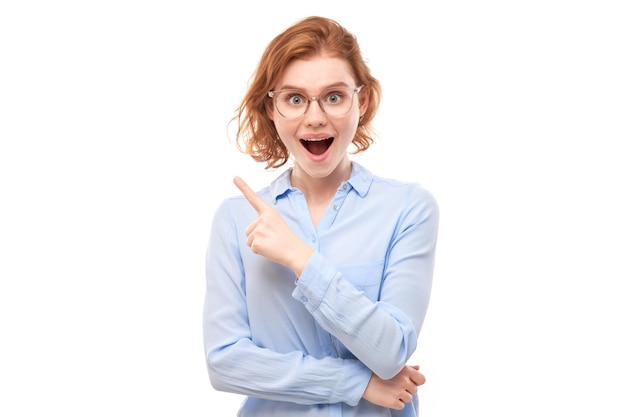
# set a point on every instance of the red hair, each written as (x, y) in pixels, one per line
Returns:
(256, 133)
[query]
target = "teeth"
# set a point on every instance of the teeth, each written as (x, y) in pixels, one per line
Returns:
(316, 140)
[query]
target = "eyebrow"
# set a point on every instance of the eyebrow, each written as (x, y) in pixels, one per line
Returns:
(333, 85)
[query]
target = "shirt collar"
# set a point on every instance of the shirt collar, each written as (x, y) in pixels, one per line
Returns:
(360, 180)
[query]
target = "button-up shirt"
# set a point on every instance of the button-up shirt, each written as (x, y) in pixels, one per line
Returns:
(308, 345)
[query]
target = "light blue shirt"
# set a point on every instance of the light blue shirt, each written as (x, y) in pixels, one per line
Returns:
(308, 346)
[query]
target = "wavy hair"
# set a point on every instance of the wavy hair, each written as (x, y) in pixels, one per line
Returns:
(256, 134)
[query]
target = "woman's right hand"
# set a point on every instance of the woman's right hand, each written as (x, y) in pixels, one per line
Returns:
(395, 392)
(271, 237)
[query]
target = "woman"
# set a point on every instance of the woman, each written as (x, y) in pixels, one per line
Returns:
(318, 285)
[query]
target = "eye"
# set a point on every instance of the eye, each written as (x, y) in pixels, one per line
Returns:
(294, 99)
(334, 97)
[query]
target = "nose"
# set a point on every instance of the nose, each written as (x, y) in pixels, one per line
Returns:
(314, 115)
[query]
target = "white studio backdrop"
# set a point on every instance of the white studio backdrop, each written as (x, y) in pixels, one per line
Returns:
(114, 154)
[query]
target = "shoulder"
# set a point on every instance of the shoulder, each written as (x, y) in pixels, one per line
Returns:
(233, 209)
(391, 191)
(412, 191)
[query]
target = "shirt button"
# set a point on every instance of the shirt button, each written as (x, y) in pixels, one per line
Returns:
(345, 186)
(336, 207)
(304, 299)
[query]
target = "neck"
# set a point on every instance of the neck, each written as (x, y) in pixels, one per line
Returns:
(321, 188)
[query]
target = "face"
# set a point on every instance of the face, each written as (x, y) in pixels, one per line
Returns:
(317, 142)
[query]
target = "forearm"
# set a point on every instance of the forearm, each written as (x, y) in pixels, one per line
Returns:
(246, 369)
(379, 334)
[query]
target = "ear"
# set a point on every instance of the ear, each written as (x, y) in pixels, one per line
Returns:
(364, 99)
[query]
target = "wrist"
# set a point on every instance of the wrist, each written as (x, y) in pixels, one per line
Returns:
(301, 260)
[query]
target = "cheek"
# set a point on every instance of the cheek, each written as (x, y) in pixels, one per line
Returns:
(352, 122)
(286, 129)
(351, 127)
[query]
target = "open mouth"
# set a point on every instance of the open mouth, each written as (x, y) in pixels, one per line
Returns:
(317, 146)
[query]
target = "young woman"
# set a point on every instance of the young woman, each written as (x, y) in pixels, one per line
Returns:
(318, 285)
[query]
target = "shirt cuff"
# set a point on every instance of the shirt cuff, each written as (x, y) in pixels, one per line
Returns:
(314, 281)
(352, 385)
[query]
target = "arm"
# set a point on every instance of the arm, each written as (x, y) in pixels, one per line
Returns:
(381, 333)
(236, 364)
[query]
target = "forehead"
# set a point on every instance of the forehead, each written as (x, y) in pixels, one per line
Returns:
(316, 73)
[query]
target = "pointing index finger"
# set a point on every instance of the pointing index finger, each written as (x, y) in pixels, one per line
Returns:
(253, 198)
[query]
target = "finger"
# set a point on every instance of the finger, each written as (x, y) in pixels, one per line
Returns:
(412, 389)
(419, 379)
(407, 397)
(397, 405)
(253, 198)
(416, 376)
(251, 227)
(403, 399)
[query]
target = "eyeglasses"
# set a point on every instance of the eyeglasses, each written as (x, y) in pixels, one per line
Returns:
(293, 104)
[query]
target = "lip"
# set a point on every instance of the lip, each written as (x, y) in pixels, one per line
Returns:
(316, 136)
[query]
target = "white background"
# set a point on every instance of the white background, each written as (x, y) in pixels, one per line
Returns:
(114, 155)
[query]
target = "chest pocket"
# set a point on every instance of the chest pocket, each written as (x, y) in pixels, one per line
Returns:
(366, 277)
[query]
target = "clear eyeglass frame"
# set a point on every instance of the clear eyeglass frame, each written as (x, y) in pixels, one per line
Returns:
(275, 93)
